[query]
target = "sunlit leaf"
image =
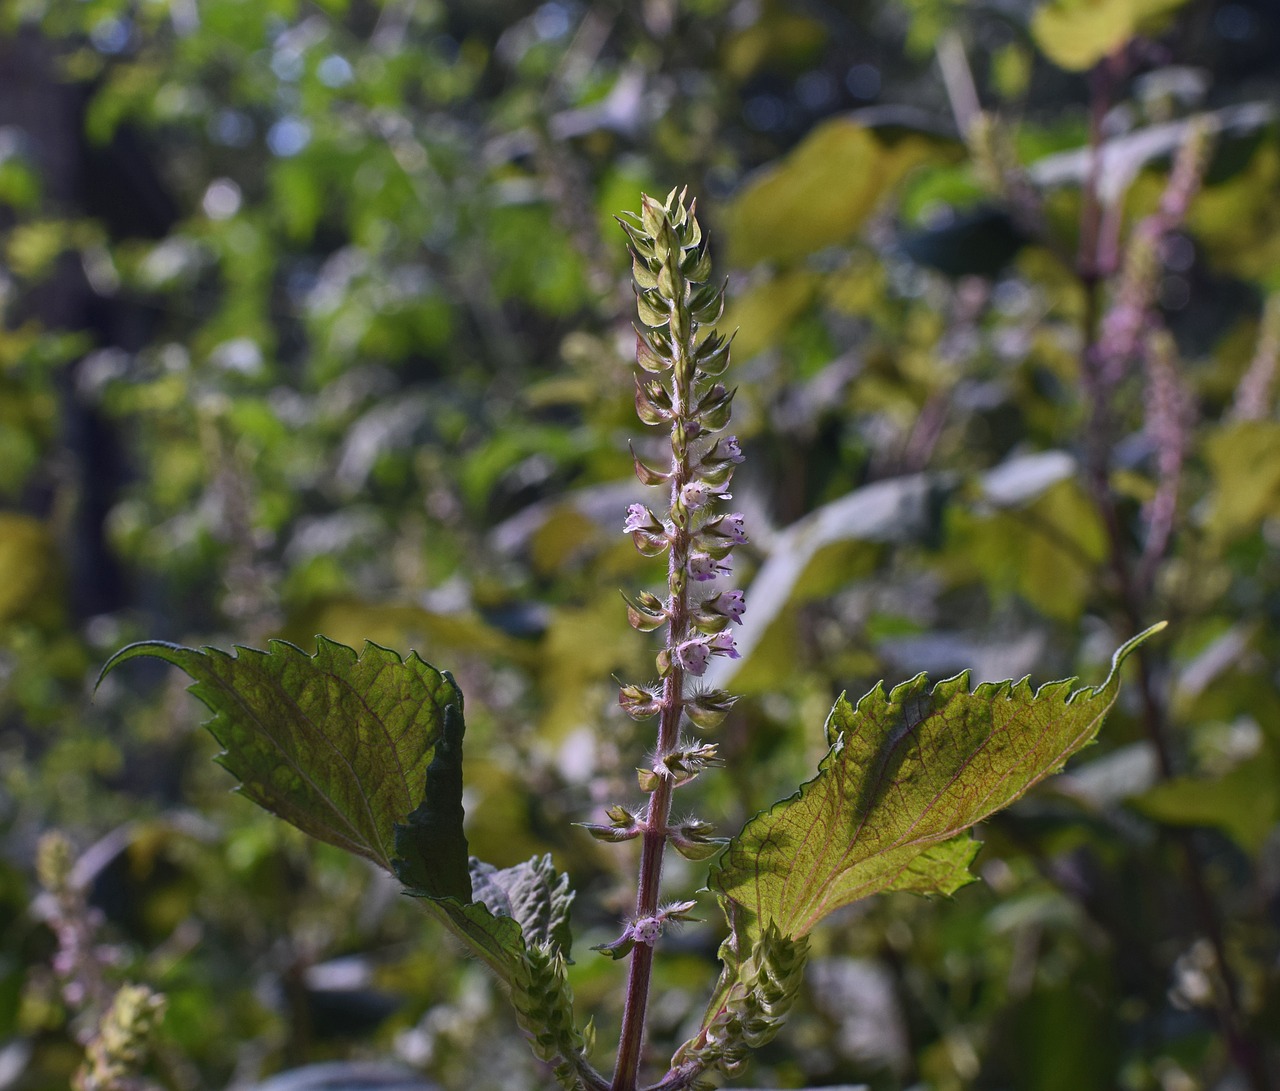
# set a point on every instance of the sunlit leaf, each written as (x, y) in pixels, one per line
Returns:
(821, 192)
(1077, 34)
(907, 771)
(338, 744)
(533, 893)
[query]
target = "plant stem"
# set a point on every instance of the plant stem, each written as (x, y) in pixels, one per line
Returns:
(654, 842)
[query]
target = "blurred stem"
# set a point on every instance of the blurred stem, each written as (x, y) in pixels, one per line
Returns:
(1130, 600)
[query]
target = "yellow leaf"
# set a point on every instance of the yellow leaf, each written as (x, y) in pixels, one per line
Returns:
(1077, 34)
(766, 311)
(1245, 461)
(26, 563)
(820, 193)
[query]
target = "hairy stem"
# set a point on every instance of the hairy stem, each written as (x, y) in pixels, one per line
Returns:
(654, 843)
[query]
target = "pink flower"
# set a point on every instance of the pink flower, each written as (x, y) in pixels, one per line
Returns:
(695, 495)
(733, 526)
(647, 930)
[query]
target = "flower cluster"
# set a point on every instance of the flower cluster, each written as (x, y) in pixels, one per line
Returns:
(677, 303)
(678, 388)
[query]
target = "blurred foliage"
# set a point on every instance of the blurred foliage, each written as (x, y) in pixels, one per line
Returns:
(315, 320)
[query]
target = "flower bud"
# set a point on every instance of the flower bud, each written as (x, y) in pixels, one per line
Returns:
(653, 402)
(609, 834)
(638, 702)
(708, 710)
(644, 613)
(693, 840)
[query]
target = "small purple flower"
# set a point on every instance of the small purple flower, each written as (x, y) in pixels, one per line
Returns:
(733, 526)
(728, 448)
(695, 495)
(637, 518)
(694, 656)
(731, 604)
(722, 644)
(698, 494)
(703, 566)
(647, 930)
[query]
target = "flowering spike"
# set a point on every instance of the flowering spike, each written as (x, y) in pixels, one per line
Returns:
(677, 304)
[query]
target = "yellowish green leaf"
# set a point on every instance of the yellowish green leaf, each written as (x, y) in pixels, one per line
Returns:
(907, 772)
(26, 561)
(821, 193)
(1077, 34)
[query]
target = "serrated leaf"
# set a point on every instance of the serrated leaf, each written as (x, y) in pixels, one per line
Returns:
(431, 847)
(533, 893)
(365, 752)
(337, 744)
(906, 772)
(497, 940)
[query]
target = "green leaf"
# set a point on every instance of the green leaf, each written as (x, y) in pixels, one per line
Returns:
(431, 847)
(343, 746)
(906, 772)
(532, 893)
(495, 939)
(1243, 803)
(337, 744)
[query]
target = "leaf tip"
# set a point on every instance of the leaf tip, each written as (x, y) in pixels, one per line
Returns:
(161, 649)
